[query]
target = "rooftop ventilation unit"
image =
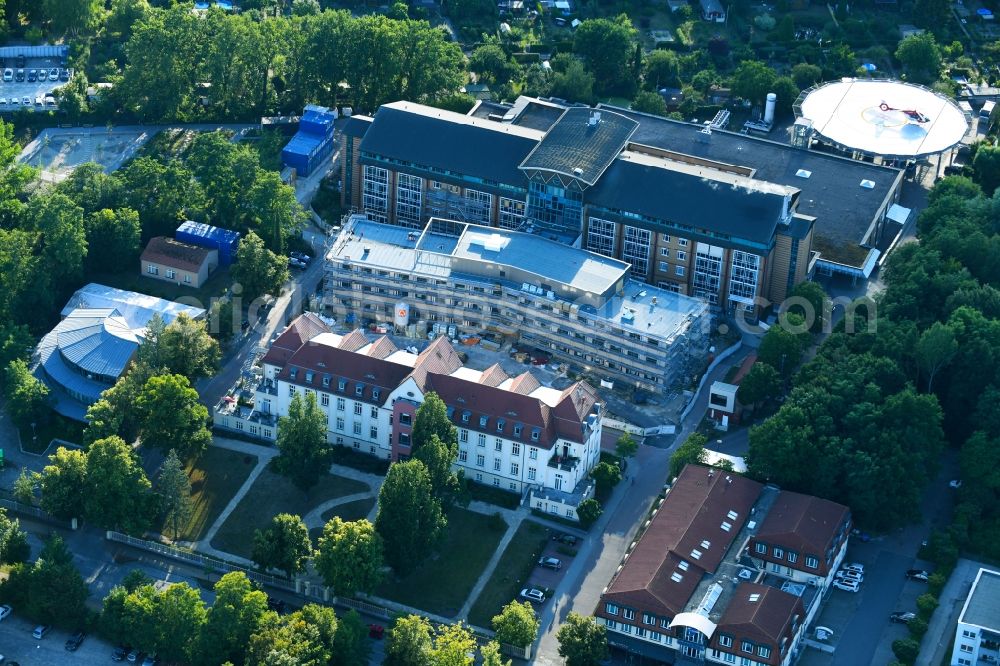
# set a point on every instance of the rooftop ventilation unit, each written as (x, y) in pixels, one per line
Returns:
(802, 173)
(868, 184)
(577, 171)
(594, 119)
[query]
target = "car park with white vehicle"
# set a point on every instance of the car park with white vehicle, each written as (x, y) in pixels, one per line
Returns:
(533, 594)
(847, 585)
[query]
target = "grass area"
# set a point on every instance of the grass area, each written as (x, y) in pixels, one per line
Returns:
(215, 479)
(513, 569)
(131, 280)
(270, 495)
(57, 427)
(348, 512)
(441, 584)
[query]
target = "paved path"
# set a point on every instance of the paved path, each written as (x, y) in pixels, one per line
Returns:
(512, 527)
(314, 518)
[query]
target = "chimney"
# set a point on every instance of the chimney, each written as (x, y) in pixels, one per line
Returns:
(594, 119)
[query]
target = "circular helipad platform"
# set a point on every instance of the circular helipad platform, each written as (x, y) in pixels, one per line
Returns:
(887, 118)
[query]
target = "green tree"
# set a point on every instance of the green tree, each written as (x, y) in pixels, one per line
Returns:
(258, 270)
(933, 15)
(307, 636)
(124, 14)
(164, 194)
(454, 645)
(782, 348)
(283, 545)
(582, 642)
(626, 446)
(63, 483)
(574, 83)
(787, 92)
(753, 80)
(180, 616)
(351, 646)
(649, 102)
(51, 590)
(73, 15)
(691, 452)
(516, 624)
(172, 417)
(761, 384)
(986, 168)
(349, 556)
(305, 453)
(492, 63)
(926, 605)
(275, 209)
(188, 349)
(806, 75)
(492, 656)
(118, 494)
(920, 57)
(906, 650)
(14, 548)
(93, 190)
(235, 615)
(409, 642)
(24, 487)
(662, 69)
(606, 475)
(589, 511)
(174, 489)
(63, 238)
(27, 397)
(432, 419)
(112, 238)
(935, 349)
(809, 301)
(409, 517)
(438, 459)
(606, 46)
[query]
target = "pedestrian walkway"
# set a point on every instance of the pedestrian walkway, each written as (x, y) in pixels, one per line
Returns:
(513, 523)
(314, 518)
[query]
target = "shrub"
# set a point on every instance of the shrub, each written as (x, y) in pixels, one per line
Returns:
(917, 627)
(926, 604)
(935, 583)
(906, 650)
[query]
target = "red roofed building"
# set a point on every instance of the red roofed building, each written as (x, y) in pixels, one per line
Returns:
(692, 585)
(513, 433)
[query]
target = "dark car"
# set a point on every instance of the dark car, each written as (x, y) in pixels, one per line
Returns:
(74, 641)
(917, 574)
(19, 77)
(901, 617)
(120, 653)
(32, 76)
(567, 539)
(64, 75)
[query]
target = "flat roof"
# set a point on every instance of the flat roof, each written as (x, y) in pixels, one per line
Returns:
(832, 192)
(581, 144)
(881, 117)
(137, 309)
(982, 608)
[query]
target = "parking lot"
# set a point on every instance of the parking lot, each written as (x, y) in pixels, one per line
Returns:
(545, 578)
(13, 92)
(17, 644)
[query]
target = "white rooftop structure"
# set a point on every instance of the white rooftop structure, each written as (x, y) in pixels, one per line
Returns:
(881, 117)
(137, 309)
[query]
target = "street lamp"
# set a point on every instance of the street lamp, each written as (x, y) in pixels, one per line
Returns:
(34, 436)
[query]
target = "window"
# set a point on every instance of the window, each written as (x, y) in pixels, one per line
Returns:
(482, 439)
(515, 469)
(611, 609)
(463, 435)
(531, 473)
(291, 390)
(965, 662)
(746, 646)
(496, 482)
(376, 393)
(601, 236)
(611, 624)
(761, 548)
(664, 623)
(725, 640)
(683, 242)
(480, 460)
(517, 430)
(482, 421)
(968, 634)
(663, 267)
(465, 417)
(628, 613)
(340, 424)
(764, 652)
(779, 552)
(373, 432)
(479, 477)
(359, 390)
(408, 199)
(496, 464)
(792, 557)
(965, 647)
(512, 486)
(679, 271)
(374, 412)
(665, 237)
(357, 408)
(811, 562)
(655, 636)
(357, 427)
(171, 274)
(535, 432)
(341, 384)
(533, 454)
(635, 250)
(404, 439)
(375, 191)
(515, 449)
(730, 657)
(152, 270)
(726, 526)
(648, 619)
(665, 252)
(498, 445)
(405, 419)
(324, 400)
(682, 255)
(500, 424)
(463, 455)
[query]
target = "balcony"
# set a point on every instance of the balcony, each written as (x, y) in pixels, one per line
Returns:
(268, 386)
(564, 463)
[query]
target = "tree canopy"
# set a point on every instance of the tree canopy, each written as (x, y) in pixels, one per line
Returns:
(409, 518)
(306, 455)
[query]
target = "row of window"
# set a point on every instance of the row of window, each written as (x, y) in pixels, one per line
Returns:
(679, 255)
(309, 376)
(781, 554)
(169, 273)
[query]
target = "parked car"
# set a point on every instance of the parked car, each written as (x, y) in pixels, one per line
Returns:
(53, 74)
(5, 610)
(917, 574)
(8, 75)
(150, 660)
(120, 653)
(304, 258)
(74, 641)
(566, 539)
(901, 617)
(64, 75)
(32, 76)
(3, 101)
(533, 594)
(19, 77)
(295, 263)
(13, 101)
(955, 483)
(40, 631)
(25, 101)
(135, 655)
(848, 575)
(553, 563)
(854, 566)
(43, 75)
(847, 585)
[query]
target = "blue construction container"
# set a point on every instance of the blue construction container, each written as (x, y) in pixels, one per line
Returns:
(214, 238)
(313, 143)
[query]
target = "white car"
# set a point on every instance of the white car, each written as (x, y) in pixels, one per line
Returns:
(8, 75)
(5, 610)
(849, 575)
(533, 594)
(25, 101)
(43, 75)
(854, 566)
(847, 585)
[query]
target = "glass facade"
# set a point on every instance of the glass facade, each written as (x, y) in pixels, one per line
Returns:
(478, 206)
(511, 213)
(635, 250)
(601, 236)
(707, 278)
(409, 196)
(743, 277)
(376, 193)
(555, 208)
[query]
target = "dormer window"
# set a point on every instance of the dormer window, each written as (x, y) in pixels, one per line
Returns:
(341, 384)
(465, 416)
(293, 372)
(535, 432)
(517, 430)
(326, 381)
(482, 421)
(375, 394)
(359, 390)
(309, 376)
(696, 554)
(500, 424)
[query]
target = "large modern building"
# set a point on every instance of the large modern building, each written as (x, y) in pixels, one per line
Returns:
(514, 433)
(100, 332)
(704, 212)
(977, 637)
(581, 307)
(727, 571)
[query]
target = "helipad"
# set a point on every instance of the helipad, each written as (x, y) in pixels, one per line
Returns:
(886, 118)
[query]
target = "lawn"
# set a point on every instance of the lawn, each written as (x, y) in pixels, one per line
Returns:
(216, 286)
(514, 568)
(441, 584)
(348, 512)
(56, 427)
(270, 495)
(215, 479)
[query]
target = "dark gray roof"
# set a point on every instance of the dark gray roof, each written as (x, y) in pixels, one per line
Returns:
(357, 125)
(538, 116)
(577, 148)
(844, 210)
(450, 141)
(722, 203)
(484, 109)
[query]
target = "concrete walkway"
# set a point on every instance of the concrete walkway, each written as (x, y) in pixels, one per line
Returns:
(314, 518)
(484, 577)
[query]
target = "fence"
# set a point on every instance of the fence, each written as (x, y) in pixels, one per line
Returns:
(34, 512)
(200, 560)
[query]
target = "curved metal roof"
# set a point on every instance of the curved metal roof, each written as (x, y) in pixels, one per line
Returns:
(98, 342)
(695, 621)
